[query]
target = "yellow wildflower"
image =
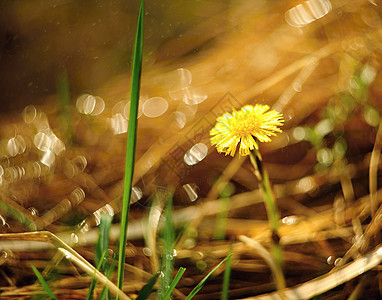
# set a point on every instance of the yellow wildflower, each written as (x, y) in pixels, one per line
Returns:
(250, 125)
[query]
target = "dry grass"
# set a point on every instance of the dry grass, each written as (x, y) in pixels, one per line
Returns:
(330, 228)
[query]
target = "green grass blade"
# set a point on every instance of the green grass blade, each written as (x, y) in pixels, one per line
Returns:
(63, 94)
(227, 275)
(147, 289)
(43, 283)
(204, 280)
(131, 142)
(174, 282)
(168, 251)
(109, 274)
(103, 240)
(94, 281)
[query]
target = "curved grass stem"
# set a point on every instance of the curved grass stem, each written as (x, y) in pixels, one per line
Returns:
(273, 216)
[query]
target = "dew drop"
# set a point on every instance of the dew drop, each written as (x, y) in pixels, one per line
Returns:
(33, 211)
(147, 251)
(338, 261)
(155, 107)
(74, 238)
(29, 114)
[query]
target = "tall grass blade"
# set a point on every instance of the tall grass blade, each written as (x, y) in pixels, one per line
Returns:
(63, 94)
(227, 275)
(148, 288)
(103, 240)
(205, 279)
(101, 249)
(108, 274)
(94, 281)
(131, 142)
(168, 251)
(174, 282)
(43, 283)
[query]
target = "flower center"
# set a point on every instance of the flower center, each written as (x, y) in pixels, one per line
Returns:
(244, 125)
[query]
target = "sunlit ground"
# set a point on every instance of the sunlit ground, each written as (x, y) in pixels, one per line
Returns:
(317, 62)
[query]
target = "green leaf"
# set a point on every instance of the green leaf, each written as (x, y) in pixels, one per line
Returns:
(131, 142)
(43, 283)
(147, 289)
(204, 280)
(174, 283)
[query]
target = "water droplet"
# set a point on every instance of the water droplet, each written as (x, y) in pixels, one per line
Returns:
(305, 185)
(74, 238)
(80, 162)
(155, 107)
(2, 221)
(297, 86)
(42, 141)
(189, 243)
(16, 145)
(110, 252)
(48, 158)
(118, 124)
(191, 191)
(29, 114)
(307, 12)
(179, 119)
(34, 211)
(325, 156)
(201, 265)
(136, 194)
(289, 220)
(197, 255)
(330, 260)
(338, 262)
(169, 257)
(185, 76)
(57, 146)
(77, 196)
(196, 154)
(147, 251)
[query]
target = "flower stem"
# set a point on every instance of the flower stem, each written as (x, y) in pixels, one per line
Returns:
(272, 213)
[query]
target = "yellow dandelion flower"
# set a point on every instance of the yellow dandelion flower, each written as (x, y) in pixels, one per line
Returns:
(248, 126)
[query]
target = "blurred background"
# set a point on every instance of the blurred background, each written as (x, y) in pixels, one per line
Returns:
(65, 91)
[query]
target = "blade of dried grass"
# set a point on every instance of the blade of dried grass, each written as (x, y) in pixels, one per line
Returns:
(329, 281)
